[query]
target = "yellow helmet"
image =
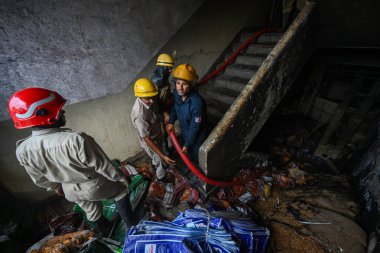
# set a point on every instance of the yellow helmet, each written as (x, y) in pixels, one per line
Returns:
(185, 72)
(145, 88)
(165, 60)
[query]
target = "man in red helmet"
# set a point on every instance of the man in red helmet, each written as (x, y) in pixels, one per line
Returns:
(70, 163)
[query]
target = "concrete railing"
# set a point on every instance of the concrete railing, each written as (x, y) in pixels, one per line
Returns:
(225, 148)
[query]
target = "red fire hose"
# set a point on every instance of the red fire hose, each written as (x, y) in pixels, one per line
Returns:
(191, 166)
(204, 80)
(244, 45)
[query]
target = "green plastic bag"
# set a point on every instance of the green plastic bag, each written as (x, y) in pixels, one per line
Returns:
(137, 189)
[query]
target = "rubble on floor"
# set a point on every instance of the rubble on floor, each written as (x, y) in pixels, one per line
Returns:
(62, 243)
(292, 195)
(299, 200)
(310, 208)
(23, 223)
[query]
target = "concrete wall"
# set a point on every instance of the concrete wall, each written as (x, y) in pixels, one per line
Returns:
(199, 41)
(208, 32)
(82, 49)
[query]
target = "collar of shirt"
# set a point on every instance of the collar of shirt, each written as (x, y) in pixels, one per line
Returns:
(187, 99)
(42, 131)
(143, 104)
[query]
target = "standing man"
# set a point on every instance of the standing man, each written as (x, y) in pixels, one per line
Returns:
(145, 119)
(160, 78)
(190, 109)
(70, 163)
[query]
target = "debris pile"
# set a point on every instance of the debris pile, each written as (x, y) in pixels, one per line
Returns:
(63, 243)
(292, 194)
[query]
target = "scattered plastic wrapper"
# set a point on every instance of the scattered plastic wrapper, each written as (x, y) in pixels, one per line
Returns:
(190, 195)
(267, 190)
(68, 223)
(282, 181)
(180, 182)
(256, 188)
(161, 194)
(62, 243)
(145, 169)
(298, 175)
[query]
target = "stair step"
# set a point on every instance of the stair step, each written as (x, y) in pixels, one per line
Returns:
(240, 71)
(214, 114)
(247, 59)
(225, 85)
(224, 82)
(269, 38)
(223, 91)
(255, 48)
(220, 97)
(244, 36)
(211, 101)
(250, 60)
(260, 49)
(265, 38)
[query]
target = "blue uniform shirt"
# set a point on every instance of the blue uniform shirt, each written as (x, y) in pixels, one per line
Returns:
(192, 116)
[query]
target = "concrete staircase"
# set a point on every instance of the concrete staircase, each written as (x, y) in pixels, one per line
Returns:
(222, 91)
(241, 99)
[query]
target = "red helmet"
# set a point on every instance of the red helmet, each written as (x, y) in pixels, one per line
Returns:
(35, 107)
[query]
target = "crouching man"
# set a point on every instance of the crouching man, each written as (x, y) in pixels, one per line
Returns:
(70, 163)
(145, 119)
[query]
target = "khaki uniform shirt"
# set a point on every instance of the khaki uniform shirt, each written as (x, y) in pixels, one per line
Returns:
(144, 119)
(57, 156)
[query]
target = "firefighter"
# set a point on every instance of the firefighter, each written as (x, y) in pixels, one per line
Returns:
(70, 163)
(190, 110)
(160, 78)
(145, 119)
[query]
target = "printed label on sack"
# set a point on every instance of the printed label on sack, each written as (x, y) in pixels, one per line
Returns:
(150, 248)
(197, 119)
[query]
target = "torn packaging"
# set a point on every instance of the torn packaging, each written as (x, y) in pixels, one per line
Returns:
(161, 194)
(66, 224)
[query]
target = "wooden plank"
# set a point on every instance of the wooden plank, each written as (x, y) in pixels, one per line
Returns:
(356, 119)
(332, 127)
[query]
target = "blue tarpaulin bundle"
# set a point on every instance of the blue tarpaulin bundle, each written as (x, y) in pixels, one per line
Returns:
(198, 230)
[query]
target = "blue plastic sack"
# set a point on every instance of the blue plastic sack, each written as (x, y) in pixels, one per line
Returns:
(198, 231)
(154, 243)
